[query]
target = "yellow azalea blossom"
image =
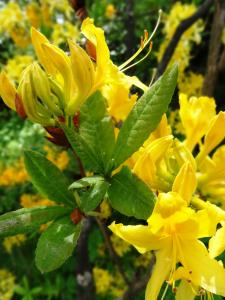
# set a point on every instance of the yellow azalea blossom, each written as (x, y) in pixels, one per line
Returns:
(33, 13)
(190, 84)
(120, 246)
(62, 32)
(102, 280)
(60, 159)
(67, 80)
(15, 174)
(16, 65)
(28, 201)
(195, 114)
(173, 232)
(110, 11)
(158, 162)
(182, 53)
(10, 242)
(7, 284)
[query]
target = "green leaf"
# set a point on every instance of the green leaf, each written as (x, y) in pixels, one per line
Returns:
(56, 244)
(48, 179)
(28, 219)
(94, 143)
(95, 189)
(130, 195)
(145, 116)
(96, 127)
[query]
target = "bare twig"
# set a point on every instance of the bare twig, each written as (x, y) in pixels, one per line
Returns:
(79, 8)
(215, 61)
(138, 284)
(111, 250)
(183, 26)
(85, 288)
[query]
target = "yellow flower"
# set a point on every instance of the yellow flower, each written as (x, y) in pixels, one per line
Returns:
(12, 241)
(28, 201)
(195, 114)
(190, 84)
(173, 232)
(15, 174)
(110, 11)
(62, 32)
(67, 81)
(119, 245)
(7, 284)
(16, 65)
(60, 159)
(102, 280)
(33, 13)
(105, 210)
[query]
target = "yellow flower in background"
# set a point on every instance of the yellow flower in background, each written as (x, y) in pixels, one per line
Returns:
(191, 84)
(60, 159)
(105, 210)
(119, 245)
(102, 279)
(110, 11)
(182, 54)
(175, 122)
(16, 65)
(15, 174)
(7, 284)
(33, 13)
(173, 232)
(13, 241)
(143, 260)
(30, 200)
(62, 32)
(195, 114)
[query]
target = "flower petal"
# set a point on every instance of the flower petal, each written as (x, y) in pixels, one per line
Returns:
(139, 236)
(217, 243)
(185, 291)
(160, 273)
(7, 91)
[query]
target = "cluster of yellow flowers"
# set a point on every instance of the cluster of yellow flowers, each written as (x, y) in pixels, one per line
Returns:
(60, 159)
(30, 200)
(16, 21)
(110, 11)
(187, 180)
(189, 83)
(15, 66)
(7, 284)
(120, 246)
(15, 174)
(105, 283)
(12, 241)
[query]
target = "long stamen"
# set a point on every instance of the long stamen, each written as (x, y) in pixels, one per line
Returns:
(165, 291)
(145, 42)
(140, 60)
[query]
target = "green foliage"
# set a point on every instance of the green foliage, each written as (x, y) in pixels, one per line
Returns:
(130, 196)
(145, 116)
(92, 191)
(26, 292)
(48, 179)
(97, 129)
(56, 244)
(28, 219)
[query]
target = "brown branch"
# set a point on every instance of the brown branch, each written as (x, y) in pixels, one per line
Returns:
(79, 8)
(183, 26)
(138, 285)
(215, 44)
(111, 250)
(85, 286)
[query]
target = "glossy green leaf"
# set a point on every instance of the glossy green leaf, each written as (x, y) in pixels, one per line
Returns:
(91, 192)
(56, 244)
(48, 179)
(130, 195)
(28, 219)
(145, 116)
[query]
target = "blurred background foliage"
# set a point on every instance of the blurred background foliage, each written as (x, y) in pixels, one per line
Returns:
(124, 23)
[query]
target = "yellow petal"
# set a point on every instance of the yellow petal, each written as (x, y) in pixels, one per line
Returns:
(38, 39)
(203, 271)
(160, 273)
(83, 74)
(62, 63)
(7, 91)
(97, 37)
(214, 136)
(217, 243)
(139, 236)
(185, 291)
(185, 182)
(195, 117)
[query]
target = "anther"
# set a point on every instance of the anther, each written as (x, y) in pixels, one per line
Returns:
(174, 290)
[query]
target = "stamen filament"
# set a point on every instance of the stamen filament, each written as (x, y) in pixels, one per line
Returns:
(145, 43)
